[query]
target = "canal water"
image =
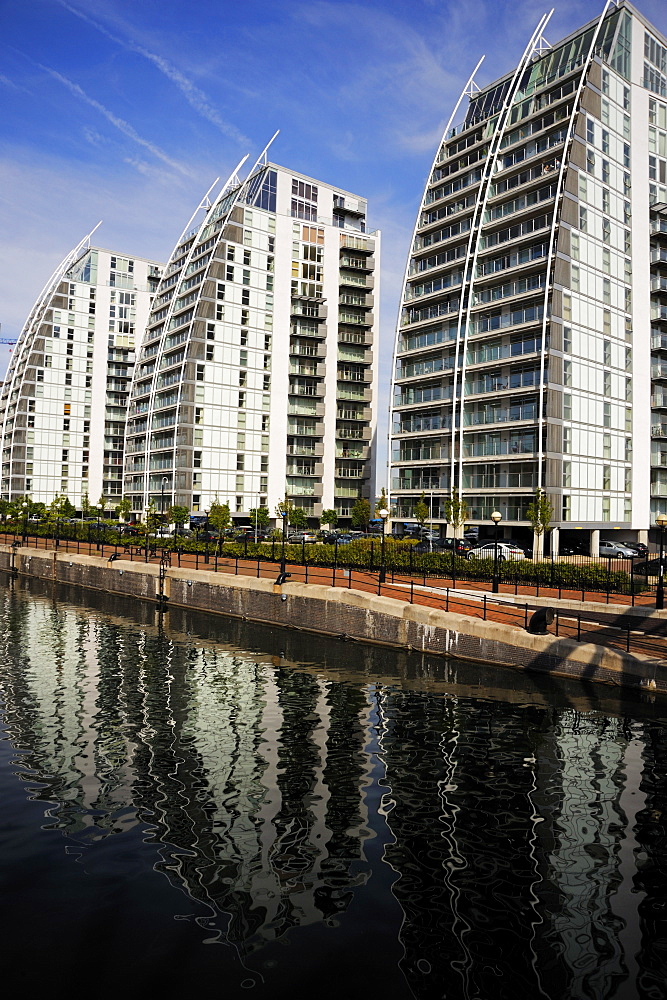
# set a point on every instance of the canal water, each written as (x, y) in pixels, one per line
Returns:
(192, 803)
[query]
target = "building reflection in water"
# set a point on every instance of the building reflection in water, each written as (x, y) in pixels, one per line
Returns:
(521, 832)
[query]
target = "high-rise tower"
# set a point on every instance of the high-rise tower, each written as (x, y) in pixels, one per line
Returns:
(64, 399)
(524, 350)
(255, 376)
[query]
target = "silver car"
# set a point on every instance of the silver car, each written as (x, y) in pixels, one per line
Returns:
(505, 551)
(616, 549)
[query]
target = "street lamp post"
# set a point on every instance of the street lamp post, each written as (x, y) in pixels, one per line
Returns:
(496, 517)
(25, 522)
(256, 519)
(282, 576)
(206, 535)
(383, 512)
(661, 521)
(164, 483)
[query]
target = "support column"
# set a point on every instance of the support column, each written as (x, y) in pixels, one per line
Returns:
(555, 542)
(642, 536)
(595, 542)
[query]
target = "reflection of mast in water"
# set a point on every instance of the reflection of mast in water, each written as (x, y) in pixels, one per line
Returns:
(461, 888)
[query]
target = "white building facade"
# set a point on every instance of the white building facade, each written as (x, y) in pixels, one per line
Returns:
(524, 350)
(64, 400)
(256, 378)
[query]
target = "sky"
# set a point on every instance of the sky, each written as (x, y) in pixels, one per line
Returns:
(126, 111)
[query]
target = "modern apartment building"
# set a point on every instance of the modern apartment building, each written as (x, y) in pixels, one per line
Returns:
(529, 349)
(255, 379)
(64, 399)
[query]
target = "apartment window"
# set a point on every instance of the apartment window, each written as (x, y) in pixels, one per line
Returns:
(628, 359)
(628, 390)
(219, 312)
(628, 299)
(605, 141)
(606, 261)
(606, 477)
(267, 360)
(605, 82)
(200, 373)
(89, 381)
(229, 273)
(68, 364)
(567, 373)
(264, 463)
(628, 449)
(567, 474)
(245, 317)
(265, 423)
(567, 306)
(606, 231)
(627, 213)
(583, 187)
(267, 383)
(606, 382)
(590, 161)
(209, 352)
(606, 508)
(566, 508)
(606, 291)
(567, 340)
(626, 98)
(605, 171)
(246, 277)
(574, 245)
(240, 463)
(245, 297)
(567, 406)
(68, 378)
(246, 257)
(606, 201)
(575, 278)
(66, 423)
(243, 378)
(241, 400)
(244, 338)
(606, 414)
(221, 290)
(627, 480)
(583, 219)
(606, 445)
(239, 503)
(230, 252)
(626, 155)
(628, 242)
(606, 346)
(628, 418)
(267, 342)
(604, 113)
(590, 131)
(247, 238)
(567, 440)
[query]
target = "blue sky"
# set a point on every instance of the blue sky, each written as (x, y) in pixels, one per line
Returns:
(127, 111)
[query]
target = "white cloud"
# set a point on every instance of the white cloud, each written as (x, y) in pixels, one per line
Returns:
(195, 97)
(119, 123)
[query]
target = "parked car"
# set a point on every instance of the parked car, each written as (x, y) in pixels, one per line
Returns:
(574, 549)
(458, 545)
(651, 567)
(345, 539)
(616, 550)
(328, 537)
(207, 535)
(302, 536)
(638, 548)
(506, 551)
(182, 531)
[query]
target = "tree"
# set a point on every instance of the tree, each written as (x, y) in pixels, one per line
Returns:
(298, 518)
(539, 512)
(382, 503)
(259, 517)
(329, 517)
(421, 510)
(219, 516)
(68, 509)
(153, 518)
(85, 505)
(178, 515)
(284, 507)
(456, 511)
(361, 513)
(123, 508)
(102, 504)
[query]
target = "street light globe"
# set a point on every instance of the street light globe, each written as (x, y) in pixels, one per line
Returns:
(496, 517)
(661, 520)
(384, 513)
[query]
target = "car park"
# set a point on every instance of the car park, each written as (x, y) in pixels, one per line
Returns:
(506, 551)
(615, 550)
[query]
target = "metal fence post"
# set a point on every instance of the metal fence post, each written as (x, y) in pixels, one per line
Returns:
(484, 607)
(412, 591)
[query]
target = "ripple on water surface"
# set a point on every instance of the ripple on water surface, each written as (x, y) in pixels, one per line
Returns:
(196, 804)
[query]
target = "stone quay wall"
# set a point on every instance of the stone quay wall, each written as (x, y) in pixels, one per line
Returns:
(345, 614)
